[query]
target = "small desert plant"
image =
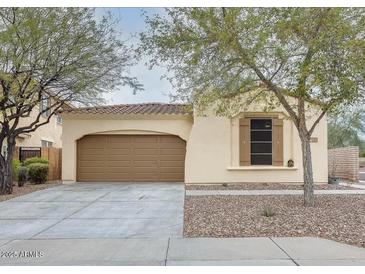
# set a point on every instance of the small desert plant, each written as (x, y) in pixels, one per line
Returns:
(38, 173)
(22, 175)
(35, 160)
(268, 212)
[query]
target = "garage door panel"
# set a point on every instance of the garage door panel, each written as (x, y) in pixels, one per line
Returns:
(172, 146)
(116, 163)
(114, 170)
(92, 158)
(119, 139)
(140, 170)
(118, 151)
(118, 146)
(145, 145)
(171, 169)
(172, 163)
(92, 141)
(171, 177)
(89, 163)
(93, 151)
(171, 151)
(139, 158)
(98, 169)
(93, 176)
(145, 163)
(119, 177)
(145, 138)
(146, 151)
(146, 177)
(172, 158)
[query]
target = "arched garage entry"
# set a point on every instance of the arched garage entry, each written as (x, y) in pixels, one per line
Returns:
(130, 158)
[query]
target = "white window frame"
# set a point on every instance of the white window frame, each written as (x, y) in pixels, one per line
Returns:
(59, 120)
(45, 143)
(44, 104)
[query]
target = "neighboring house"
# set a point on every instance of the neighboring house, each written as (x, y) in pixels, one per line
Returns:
(48, 135)
(164, 142)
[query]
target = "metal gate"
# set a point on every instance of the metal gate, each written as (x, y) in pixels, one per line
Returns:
(29, 152)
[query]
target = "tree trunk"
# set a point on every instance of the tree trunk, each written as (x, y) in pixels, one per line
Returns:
(2, 175)
(307, 172)
(6, 175)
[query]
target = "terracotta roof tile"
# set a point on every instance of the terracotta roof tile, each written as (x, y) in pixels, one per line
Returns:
(145, 108)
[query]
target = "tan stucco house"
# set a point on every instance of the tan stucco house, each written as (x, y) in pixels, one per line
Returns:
(48, 135)
(165, 142)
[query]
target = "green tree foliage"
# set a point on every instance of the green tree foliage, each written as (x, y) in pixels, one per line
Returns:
(53, 57)
(296, 55)
(347, 129)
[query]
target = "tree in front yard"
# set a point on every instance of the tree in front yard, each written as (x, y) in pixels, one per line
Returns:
(50, 57)
(310, 60)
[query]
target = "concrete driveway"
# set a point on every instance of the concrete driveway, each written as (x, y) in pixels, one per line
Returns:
(95, 211)
(137, 224)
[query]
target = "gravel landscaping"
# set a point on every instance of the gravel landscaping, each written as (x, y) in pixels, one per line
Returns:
(28, 188)
(336, 217)
(261, 186)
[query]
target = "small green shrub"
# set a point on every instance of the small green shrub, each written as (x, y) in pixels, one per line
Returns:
(37, 173)
(268, 212)
(22, 175)
(35, 160)
(14, 166)
(362, 154)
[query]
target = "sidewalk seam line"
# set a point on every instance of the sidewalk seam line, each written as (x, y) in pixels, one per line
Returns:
(282, 249)
(167, 250)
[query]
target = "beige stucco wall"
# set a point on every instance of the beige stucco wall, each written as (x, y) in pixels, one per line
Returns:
(77, 126)
(213, 154)
(50, 132)
(212, 151)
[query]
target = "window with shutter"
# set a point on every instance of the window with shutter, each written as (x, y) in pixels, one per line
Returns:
(261, 141)
(277, 143)
(244, 142)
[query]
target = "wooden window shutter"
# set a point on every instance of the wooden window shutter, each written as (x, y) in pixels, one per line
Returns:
(245, 141)
(277, 142)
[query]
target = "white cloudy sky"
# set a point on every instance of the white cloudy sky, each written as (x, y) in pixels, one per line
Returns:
(156, 90)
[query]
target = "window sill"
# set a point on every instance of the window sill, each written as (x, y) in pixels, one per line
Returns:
(238, 168)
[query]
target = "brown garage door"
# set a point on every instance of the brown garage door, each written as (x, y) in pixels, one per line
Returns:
(130, 158)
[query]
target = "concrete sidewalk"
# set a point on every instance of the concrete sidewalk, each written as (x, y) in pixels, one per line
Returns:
(183, 251)
(273, 192)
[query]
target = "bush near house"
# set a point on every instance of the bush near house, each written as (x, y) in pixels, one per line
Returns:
(15, 166)
(35, 160)
(22, 174)
(38, 173)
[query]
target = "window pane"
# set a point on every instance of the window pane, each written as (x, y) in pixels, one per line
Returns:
(261, 148)
(260, 136)
(261, 124)
(261, 159)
